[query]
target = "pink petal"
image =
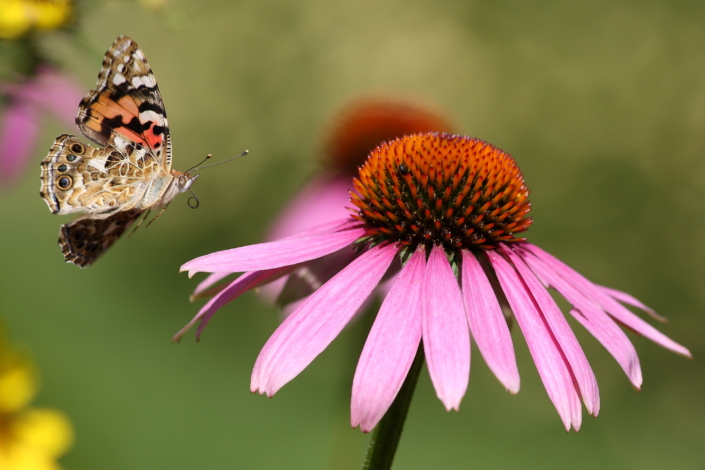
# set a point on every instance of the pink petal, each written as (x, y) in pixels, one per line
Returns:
(311, 328)
(562, 333)
(208, 282)
(550, 362)
(594, 319)
(272, 290)
(390, 347)
(487, 323)
(385, 286)
(236, 288)
(310, 276)
(630, 300)
(446, 334)
(272, 255)
(335, 225)
(323, 199)
(18, 133)
(288, 309)
(611, 306)
(613, 339)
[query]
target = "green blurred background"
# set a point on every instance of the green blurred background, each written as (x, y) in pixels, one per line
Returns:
(602, 103)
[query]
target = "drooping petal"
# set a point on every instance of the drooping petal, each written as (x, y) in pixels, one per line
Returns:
(311, 328)
(562, 332)
(271, 255)
(18, 132)
(487, 323)
(446, 334)
(611, 306)
(631, 300)
(207, 283)
(390, 347)
(602, 327)
(594, 319)
(550, 363)
(236, 288)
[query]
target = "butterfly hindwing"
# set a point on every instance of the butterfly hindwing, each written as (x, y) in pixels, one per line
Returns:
(85, 239)
(127, 101)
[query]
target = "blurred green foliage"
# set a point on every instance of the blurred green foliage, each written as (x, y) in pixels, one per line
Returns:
(602, 103)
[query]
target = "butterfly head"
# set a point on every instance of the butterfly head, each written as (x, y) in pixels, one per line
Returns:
(184, 181)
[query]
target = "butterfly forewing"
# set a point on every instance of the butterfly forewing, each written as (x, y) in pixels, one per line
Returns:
(127, 101)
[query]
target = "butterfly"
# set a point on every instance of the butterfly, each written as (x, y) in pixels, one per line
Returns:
(125, 178)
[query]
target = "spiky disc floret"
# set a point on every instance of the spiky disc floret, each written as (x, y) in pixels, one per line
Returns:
(441, 189)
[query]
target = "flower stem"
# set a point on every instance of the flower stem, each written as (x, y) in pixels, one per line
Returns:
(385, 438)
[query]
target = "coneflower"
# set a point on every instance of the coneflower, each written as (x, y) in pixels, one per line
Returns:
(452, 210)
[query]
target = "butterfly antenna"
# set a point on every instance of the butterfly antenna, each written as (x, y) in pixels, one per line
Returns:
(197, 167)
(193, 201)
(199, 163)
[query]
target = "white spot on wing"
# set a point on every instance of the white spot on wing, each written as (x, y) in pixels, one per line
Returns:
(138, 54)
(149, 81)
(137, 82)
(120, 142)
(152, 116)
(118, 79)
(121, 68)
(97, 163)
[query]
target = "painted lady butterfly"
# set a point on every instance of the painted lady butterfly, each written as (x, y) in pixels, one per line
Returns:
(126, 178)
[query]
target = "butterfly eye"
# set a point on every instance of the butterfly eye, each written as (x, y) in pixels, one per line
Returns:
(182, 180)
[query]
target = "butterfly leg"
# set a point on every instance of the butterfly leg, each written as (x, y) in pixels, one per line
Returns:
(146, 214)
(156, 216)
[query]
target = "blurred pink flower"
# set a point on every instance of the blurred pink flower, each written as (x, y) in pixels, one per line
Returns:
(48, 90)
(360, 127)
(450, 208)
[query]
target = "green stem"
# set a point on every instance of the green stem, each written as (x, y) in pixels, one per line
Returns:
(385, 438)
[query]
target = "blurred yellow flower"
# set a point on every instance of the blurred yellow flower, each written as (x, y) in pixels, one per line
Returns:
(30, 438)
(18, 17)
